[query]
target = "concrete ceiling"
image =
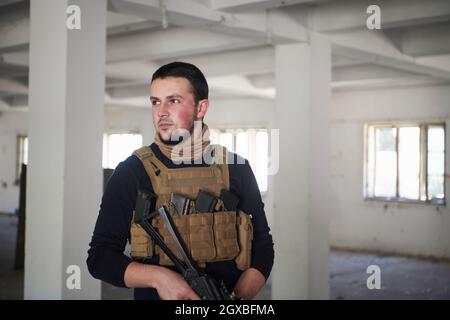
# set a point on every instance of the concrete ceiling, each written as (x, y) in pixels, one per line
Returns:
(232, 41)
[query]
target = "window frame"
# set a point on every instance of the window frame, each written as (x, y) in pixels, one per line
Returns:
(234, 132)
(108, 133)
(423, 173)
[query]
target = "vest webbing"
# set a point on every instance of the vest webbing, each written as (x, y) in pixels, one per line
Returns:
(186, 181)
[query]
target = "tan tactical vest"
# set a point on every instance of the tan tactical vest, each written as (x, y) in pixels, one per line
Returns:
(210, 237)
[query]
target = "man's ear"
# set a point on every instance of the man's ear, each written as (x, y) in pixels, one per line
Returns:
(202, 108)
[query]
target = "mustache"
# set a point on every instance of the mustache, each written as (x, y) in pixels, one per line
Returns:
(165, 121)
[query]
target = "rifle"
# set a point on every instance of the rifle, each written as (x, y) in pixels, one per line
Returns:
(203, 284)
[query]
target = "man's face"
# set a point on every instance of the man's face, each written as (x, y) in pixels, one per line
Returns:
(173, 106)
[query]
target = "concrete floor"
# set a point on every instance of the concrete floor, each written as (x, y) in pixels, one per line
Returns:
(11, 281)
(401, 277)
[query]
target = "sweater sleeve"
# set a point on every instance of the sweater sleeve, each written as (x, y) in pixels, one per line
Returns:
(106, 259)
(251, 203)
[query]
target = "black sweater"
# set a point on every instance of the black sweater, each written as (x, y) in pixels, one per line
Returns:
(106, 259)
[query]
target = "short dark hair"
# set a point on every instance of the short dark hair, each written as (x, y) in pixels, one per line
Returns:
(187, 71)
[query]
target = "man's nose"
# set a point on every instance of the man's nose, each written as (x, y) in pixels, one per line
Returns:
(163, 109)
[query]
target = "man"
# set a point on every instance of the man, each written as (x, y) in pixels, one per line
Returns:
(179, 97)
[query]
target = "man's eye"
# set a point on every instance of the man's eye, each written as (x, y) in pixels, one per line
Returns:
(156, 103)
(175, 101)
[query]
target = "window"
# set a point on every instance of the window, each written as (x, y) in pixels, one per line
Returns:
(22, 155)
(119, 146)
(251, 144)
(406, 162)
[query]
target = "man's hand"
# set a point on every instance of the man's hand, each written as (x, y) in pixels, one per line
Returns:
(172, 286)
(249, 284)
(169, 284)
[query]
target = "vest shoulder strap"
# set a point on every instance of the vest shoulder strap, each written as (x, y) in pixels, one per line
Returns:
(158, 172)
(221, 156)
(152, 165)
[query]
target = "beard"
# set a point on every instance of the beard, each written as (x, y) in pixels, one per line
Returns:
(176, 139)
(170, 141)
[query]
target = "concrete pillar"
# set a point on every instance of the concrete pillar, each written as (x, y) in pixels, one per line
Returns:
(65, 153)
(301, 187)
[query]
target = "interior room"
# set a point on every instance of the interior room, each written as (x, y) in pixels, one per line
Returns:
(340, 107)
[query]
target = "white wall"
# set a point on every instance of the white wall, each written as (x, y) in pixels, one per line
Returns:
(408, 228)
(240, 113)
(131, 119)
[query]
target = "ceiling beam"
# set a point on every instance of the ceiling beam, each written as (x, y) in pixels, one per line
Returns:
(230, 85)
(426, 41)
(368, 72)
(115, 19)
(14, 35)
(131, 70)
(239, 62)
(13, 70)
(340, 61)
(11, 87)
(138, 90)
(338, 16)
(15, 29)
(214, 66)
(244, 61)
(441, 61)
(344, 74)
(246, 5)
(121, 23)
(17, 101)
(8, 2)
(374, 47)
(171, 43)
(262, 85)
(16, 58)
(387, 83)
(14, 26)
(278, 27)
(4, 106)
(262, 81)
